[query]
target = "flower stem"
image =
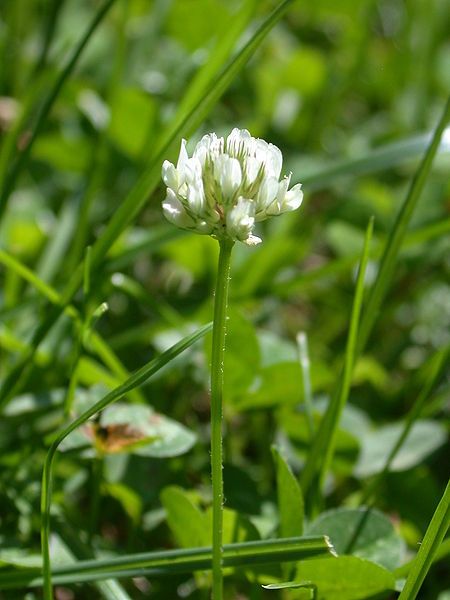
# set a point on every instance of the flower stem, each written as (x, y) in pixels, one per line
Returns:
(218, 351)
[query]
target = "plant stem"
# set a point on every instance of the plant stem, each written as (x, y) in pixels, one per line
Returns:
(45, 523)
(218, 352)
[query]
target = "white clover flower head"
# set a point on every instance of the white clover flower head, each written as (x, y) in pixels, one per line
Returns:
(227, 186)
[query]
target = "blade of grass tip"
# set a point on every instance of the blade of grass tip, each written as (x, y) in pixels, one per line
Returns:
(22, 158)
(321, 451)
(99, 346)
(303, 355)
(428, 548)
(139, 195)
(169, 562)
(441, 360)
(137, 379)
(397, 234)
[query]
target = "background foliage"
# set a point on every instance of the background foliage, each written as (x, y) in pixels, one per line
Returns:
(350, 92)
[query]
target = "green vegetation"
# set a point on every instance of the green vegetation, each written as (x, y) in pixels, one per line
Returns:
(336, 375)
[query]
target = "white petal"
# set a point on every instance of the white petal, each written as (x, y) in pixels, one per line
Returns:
(274, 161)
(275, 208)
(170, 175)
(293, 198)
(195, 197)
(175, 212)
(237, 141)
(183, 156)
(267, 193)
(240, 219)
(252, 166)
(228, 174)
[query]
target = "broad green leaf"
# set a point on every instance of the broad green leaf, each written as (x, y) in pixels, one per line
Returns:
(290, 498)
(346, 578)
(188, 524)
(275, 349)
(424, 438)
(27, 404)
(362, 532)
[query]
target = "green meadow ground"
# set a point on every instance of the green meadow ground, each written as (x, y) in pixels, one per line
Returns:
(93, 97)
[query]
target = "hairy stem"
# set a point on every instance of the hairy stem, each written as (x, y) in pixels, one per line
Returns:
(218, 351)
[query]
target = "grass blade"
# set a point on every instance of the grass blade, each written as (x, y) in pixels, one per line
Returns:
(305, 365)
(442, 552)
(395, 240)
(168, 562)
(428, 548)
(321, 451)
(137, 379)
(22, 158)
(379, 159)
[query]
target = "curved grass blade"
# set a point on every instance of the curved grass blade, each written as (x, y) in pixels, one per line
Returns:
(22, 158)
(428, 548)
(379, 289)
(396, 237)
(137, 379)
(168, 562)
(139, 194)
(321, 451)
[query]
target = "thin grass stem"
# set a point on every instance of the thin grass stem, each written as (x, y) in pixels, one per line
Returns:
(428, 548)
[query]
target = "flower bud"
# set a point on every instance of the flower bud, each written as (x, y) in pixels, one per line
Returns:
(227, 186)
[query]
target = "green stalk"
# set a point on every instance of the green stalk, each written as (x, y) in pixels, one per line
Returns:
(218, 352)
(169, 562)
(428, 548)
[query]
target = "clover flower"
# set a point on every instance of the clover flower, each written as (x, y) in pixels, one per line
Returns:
(227, 186)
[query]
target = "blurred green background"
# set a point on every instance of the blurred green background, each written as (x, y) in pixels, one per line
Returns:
(350, 91)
